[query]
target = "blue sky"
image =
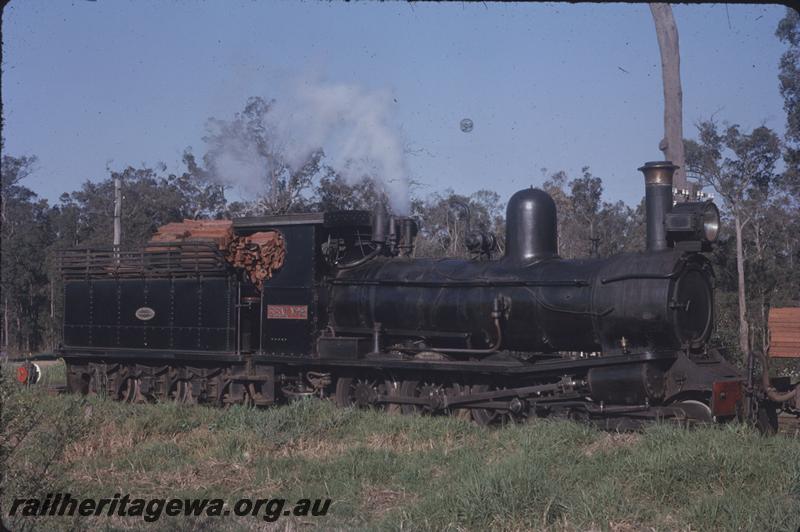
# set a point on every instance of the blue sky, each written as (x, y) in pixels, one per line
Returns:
(90, 85)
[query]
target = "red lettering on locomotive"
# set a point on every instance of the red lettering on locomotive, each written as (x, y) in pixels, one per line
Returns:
(287, 312)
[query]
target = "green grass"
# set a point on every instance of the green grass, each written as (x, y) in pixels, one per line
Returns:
(397, 472)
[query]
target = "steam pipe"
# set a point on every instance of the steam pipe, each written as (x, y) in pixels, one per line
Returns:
(393, 231)
(495, 347)
(379, 223)
(408, 234)
(363, 260)
(489, 350)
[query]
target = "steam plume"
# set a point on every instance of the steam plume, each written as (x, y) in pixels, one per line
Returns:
(351, 124)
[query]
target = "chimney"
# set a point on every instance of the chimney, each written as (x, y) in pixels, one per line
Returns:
(658, 201)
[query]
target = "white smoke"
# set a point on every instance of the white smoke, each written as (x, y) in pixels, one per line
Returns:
(351, 124)
(236, 161)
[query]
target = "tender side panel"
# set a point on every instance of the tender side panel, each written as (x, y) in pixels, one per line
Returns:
(195, 313)
(78, 313)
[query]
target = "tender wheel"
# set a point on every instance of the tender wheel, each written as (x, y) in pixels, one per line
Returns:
(249, 400)
(237, 393)
(182, 392)
(131, 391)
(98, 383)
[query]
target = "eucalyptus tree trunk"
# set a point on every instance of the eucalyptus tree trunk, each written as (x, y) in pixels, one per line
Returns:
(758, 245)
(5, 323)
(672, 143)
(744, 339)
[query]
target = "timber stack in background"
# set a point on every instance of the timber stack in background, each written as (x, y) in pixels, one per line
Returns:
(259, 254)
(784, 332)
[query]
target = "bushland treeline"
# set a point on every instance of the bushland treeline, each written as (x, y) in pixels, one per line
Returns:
(754, 176)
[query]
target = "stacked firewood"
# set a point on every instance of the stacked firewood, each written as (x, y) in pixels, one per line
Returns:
(259, 254)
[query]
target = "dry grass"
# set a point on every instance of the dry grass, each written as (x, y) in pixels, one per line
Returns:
(611, 442)
(377, 501)
(401, 472)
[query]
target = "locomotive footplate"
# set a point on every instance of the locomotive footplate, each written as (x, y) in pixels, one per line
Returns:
(151, 354)
(518, 368)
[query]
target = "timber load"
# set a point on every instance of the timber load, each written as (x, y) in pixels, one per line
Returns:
(218, 231)
(258, 254)
(784, 332)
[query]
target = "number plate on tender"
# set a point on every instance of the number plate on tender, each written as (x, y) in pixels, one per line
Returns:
(287, 312)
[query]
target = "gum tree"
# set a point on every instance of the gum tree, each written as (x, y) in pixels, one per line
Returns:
(740, 167)
(672, 143)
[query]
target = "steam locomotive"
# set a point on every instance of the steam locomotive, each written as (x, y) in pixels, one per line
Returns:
(351, 315)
